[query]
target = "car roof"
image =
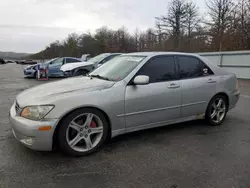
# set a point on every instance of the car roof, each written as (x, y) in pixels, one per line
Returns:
(111, 53)
(116, 53)
(149, 54)
(71, 57)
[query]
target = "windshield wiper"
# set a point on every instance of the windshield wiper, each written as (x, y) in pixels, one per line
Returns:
(100, 77)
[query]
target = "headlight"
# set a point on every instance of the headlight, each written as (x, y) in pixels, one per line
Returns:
(36, 112)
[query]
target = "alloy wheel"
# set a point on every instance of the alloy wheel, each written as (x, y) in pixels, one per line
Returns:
(218, 110)
(84, 132)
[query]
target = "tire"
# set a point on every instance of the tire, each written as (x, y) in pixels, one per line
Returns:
(214, 108)
(73, 138)
(80, 72)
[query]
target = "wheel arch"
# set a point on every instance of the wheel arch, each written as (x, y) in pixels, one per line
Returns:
(82, 68)
(225, 95)
(221, 94)
(55, 134)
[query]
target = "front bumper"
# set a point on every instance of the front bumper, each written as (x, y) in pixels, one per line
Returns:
(67, 74)
(29, 72)
(27, 131)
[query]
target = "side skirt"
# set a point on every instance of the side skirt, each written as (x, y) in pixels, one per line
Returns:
(158, 124)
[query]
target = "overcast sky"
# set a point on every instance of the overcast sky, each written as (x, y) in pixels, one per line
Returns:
(30, 25)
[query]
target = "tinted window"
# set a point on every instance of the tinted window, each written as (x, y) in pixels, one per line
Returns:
(159, 69)
(71, 60)
(205, 69)
(191, 67)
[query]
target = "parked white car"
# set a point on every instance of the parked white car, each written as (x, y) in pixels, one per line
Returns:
(76, 69)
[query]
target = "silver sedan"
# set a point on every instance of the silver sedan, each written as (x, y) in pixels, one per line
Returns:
(129, 93)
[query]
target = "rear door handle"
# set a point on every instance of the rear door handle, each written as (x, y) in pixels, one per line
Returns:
(173, 86)
(211, 81)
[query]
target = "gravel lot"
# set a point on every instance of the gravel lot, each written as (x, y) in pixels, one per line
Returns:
(185, 155)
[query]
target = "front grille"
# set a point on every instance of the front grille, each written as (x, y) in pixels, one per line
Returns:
(18, 109)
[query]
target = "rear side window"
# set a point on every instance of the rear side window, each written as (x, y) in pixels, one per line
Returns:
(72, 60)
(191, 67)
(161, 68)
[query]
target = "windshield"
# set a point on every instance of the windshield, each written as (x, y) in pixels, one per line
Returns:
(98, 58)
(118, 68)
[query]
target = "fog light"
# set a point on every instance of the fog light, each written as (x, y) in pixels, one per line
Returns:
(28, 141)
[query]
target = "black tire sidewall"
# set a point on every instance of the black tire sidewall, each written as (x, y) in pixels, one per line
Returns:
(208, 111)
(64, 125)
(80, 72)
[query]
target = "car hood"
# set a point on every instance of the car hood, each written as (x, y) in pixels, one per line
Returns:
(30, 66)
(71, 66)
(50, 91)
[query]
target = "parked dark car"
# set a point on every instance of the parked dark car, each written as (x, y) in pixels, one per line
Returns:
(2, 61)
(17, 61)
(28, 62)
(20, 61)
(10, 61)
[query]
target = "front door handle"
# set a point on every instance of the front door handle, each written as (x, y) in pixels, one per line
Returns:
(211, 81)
(173, 86)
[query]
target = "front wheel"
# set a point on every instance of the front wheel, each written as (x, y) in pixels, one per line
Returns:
(217, 110)
(83, 132)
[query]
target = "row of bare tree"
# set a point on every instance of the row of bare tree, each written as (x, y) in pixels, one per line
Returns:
(225, 26)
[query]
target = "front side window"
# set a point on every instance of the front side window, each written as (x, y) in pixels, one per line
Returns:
(159, 69)
(118, 68)
(57, 62)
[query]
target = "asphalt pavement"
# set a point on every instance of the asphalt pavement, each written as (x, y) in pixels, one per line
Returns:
(191, 154)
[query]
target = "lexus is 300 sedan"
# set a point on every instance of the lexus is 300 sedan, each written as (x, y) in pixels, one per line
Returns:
(129, 93)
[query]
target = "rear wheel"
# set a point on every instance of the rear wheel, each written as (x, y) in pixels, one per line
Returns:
(83, 132)
(80, 72)
(217, 110)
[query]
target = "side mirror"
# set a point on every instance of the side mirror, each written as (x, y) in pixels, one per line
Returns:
(205, 71)
(141, 80)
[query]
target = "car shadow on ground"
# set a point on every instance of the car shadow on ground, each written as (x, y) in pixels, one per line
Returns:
(136, 139)
(154, 135)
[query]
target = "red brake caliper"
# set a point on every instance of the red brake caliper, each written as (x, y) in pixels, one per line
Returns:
(93, 124)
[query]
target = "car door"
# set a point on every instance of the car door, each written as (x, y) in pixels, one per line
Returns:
(157, 102)
(198, 85)
(54, 67)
